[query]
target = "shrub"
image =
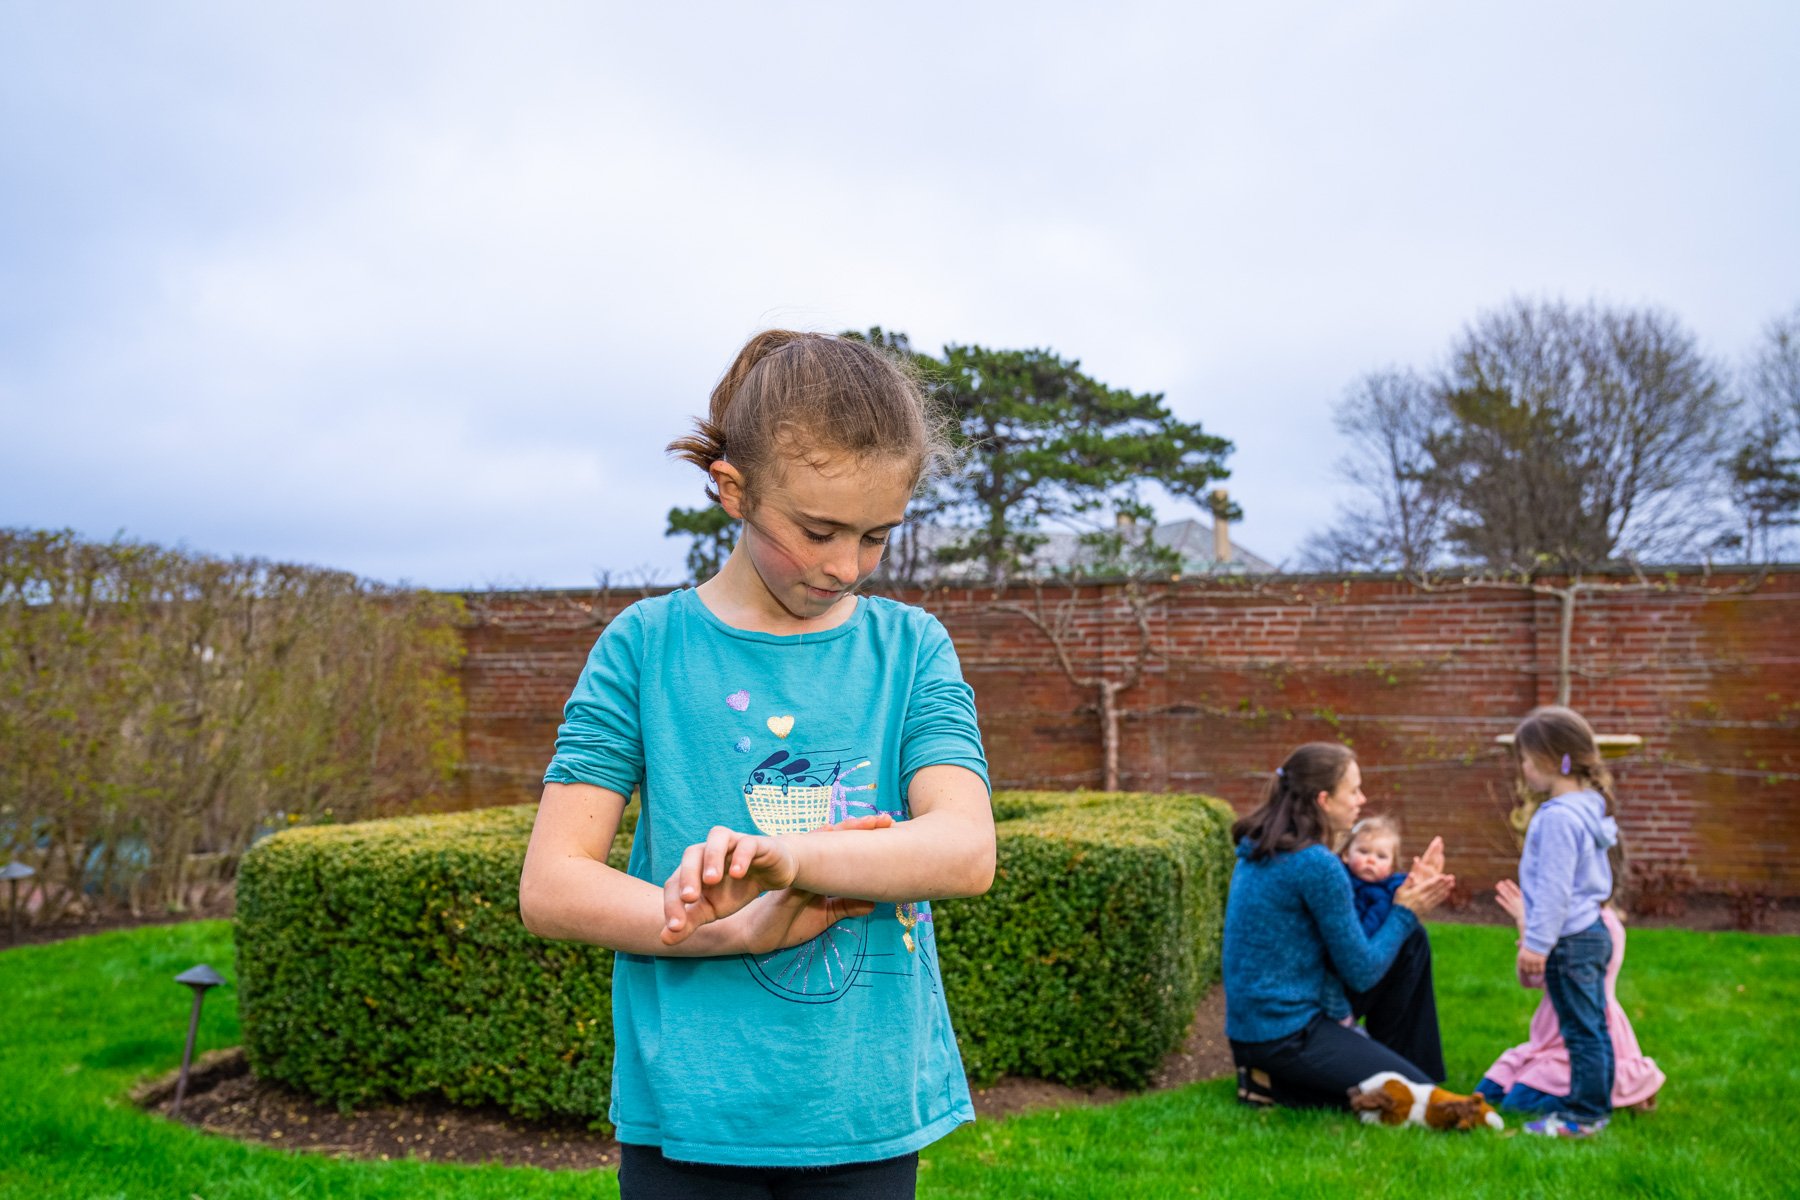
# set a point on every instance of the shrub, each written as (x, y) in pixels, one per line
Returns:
(387, 959)
(1101, 934)
(159, 709)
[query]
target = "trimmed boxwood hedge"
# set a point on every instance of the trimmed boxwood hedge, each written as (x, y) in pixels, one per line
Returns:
(1100, 936)
(387, 959)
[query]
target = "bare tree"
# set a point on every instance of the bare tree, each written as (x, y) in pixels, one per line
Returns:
(1764, 480)
(1579, 436)
(1392, 418)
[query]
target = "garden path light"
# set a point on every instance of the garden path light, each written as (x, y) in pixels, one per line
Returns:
(14, 873)
(199, 978)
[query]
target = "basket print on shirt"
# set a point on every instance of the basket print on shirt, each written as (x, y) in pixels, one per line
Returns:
(789, 793)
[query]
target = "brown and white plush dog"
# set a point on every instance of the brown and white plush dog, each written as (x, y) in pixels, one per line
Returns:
(1392, 1099)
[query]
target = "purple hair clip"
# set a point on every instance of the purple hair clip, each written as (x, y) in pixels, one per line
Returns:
(1565, 764)
(1280, 774)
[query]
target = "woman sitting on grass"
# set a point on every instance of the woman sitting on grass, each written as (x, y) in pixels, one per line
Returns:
(1297, 962)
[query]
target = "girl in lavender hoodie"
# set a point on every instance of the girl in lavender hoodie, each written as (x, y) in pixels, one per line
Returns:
(1566, 875)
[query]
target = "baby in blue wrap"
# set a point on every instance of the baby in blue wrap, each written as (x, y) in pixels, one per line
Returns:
(1369, 857)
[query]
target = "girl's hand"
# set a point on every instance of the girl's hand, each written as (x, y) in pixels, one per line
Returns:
(728, 871)
(1508, 896)
(1423, 895)
(1530, 968)
(1429, 865)
(791, 916)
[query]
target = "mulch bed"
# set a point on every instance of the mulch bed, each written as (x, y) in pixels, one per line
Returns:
(83, 924)
(224, 1098)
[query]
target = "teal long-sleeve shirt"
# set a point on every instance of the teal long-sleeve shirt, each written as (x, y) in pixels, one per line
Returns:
(1293, 943)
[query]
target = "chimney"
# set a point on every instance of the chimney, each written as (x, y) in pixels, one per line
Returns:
(1221, 502)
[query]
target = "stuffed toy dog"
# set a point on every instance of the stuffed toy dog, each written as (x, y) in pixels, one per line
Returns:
(1394, 1100)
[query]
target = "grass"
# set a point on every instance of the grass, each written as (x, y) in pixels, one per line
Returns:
(89, 1017)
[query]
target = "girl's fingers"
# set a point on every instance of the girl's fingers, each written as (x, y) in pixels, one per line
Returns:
(674, 910)
(878, 820)
(688, 873)
(712, 859)
(743, 855)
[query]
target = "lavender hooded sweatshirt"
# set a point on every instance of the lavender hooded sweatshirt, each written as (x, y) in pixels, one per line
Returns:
(1563, 872)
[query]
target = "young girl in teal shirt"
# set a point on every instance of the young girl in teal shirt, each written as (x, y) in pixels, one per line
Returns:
(811, 776)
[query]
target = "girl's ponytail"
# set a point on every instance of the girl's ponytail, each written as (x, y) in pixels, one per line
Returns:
(790, 395)
(1562, 737)
(708, 444)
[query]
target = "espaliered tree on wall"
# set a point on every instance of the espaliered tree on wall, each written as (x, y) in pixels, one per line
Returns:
(159, 710)
(1056, 622)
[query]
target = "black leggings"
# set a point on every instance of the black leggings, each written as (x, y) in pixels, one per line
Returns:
(1400, 1011)
(644, 1174)
(1317, 1067)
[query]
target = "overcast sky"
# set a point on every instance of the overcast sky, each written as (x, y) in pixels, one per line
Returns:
(421, 290)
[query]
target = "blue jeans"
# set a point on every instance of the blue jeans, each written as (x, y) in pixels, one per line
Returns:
(1575, 981)
(1520, 1097)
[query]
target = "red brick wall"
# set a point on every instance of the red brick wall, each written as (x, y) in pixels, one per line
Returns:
(1705, 670)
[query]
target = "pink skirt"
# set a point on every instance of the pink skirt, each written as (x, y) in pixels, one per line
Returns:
(1542, 1062)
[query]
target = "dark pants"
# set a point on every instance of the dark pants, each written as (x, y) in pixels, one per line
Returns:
(1575, 981)
(644, 1174)
(1317, 1067)
(1520, 1097)
(1400, 1011)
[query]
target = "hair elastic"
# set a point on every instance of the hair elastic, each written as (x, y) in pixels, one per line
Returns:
(1565, 764)
(1280, 774)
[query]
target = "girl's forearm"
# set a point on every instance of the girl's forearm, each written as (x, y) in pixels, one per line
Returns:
(589, 901)
(936, 855)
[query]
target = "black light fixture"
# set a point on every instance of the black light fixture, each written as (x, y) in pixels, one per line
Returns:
(15, 873)
(199, 978)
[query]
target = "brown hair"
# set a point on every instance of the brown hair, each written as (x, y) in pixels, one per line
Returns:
(1554, 735)
(1289, 816)
(1379, 825)
(793, 394)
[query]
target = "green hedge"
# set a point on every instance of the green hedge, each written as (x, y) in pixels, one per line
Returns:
(386, 959)
(1101, 934)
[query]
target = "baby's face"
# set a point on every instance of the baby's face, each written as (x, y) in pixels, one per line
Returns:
(1371, 857)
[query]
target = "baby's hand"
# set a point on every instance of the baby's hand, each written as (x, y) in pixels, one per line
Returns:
(1530, 968)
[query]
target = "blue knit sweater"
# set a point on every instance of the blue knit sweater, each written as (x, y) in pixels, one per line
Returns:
(1293, 943)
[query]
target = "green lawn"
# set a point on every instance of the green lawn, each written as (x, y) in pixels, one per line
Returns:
(87, 1018)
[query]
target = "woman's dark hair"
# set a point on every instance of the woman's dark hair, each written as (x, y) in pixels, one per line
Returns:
(793, 394)
(1554, 736)
(1289, 818)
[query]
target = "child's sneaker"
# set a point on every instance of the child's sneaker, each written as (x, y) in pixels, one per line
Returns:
(1562, 1127)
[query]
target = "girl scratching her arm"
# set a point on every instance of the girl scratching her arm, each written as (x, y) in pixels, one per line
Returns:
(778, 1013)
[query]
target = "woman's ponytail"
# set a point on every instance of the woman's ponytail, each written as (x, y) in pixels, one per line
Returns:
(1289, 817)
